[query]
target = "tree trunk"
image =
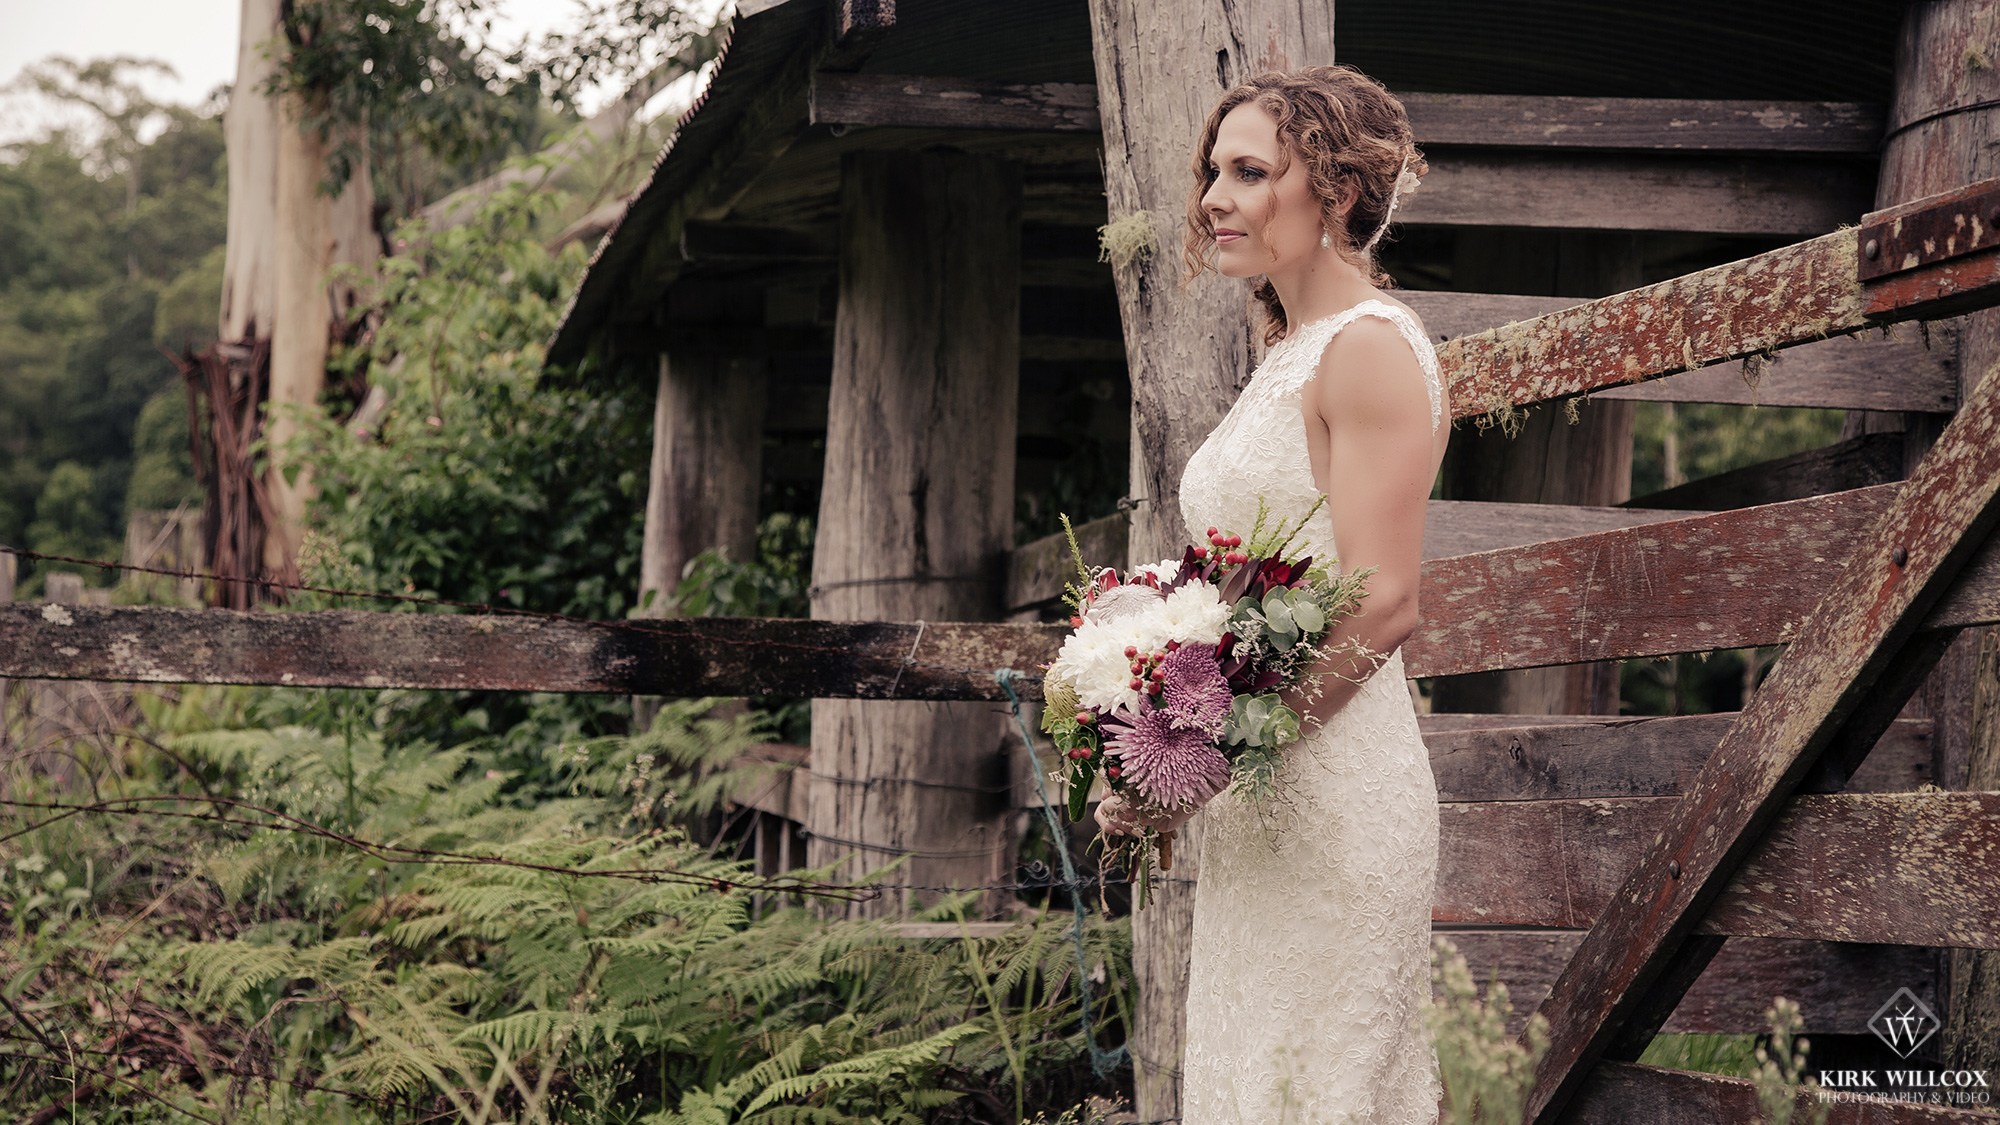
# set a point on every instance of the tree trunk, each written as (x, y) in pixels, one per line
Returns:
(284, 235)
(917, 507)
(250, 129)
(1551, 460)
(1161, 67)
(1946, 58)
(701, 494)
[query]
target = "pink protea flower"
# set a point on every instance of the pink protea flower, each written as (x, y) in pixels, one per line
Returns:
(1169, 766)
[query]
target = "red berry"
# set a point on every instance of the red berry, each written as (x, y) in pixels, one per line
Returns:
(1131, 651)
(1085, 718)
(1113, 771)
(1075, 622)
(1173, 646)
(1137, 683)
(1212, 531)
(1158, 656)
(1159, 676)
(1201, 552)
(1236, 540)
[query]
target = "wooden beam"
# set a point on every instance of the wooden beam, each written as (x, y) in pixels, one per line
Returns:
(1728, 580)
(1645, 124)
(1529, 758)
(913, 102)
(1858, 462)
(1789, 296)
(1887, 868)
(738, 242)
(1477, 120)
(1829, 685)
(679, 657)
(1838, 986)
(1606, 191)
(1621, 1093)
(1909, 370)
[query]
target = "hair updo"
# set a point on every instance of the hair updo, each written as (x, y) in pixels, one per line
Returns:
(1349, 130)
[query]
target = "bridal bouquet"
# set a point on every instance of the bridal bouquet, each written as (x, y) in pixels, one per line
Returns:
(1167, 687)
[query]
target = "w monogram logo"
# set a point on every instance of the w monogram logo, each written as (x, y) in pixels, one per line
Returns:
(1904, 1023)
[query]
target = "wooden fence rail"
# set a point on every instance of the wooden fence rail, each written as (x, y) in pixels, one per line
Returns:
(1725, 580)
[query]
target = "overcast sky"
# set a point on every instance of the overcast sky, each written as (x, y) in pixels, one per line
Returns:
(196, 37)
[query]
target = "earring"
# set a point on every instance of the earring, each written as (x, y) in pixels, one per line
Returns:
(1325, 239)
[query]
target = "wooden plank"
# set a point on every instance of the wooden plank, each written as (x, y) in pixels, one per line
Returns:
(1727, 580)
(929, 102)
(1464, 527)
(1679, 124)
(675, 657)
(1531, 758)
(1837, 985)
(1890, 868)
(1899, 570)
(1622, 1093)
(1038, 571)
(1914, 370)
(1793, 197)
(1858, 462)
(1798, 293)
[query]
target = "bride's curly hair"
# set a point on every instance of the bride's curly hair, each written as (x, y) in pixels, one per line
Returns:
(1349, 130)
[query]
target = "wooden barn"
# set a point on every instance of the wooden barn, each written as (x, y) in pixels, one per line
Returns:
(865, 277)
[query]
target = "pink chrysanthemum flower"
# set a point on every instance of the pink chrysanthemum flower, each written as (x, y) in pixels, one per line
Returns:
(1196, 693)
(1170, 767)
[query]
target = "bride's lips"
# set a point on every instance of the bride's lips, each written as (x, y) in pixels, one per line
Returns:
(1224, 234)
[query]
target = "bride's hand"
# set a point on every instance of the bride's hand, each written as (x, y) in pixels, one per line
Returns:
(1118, 817)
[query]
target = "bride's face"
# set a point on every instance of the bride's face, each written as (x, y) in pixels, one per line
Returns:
(1264, 221)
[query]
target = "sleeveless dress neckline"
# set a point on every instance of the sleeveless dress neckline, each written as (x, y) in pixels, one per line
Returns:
(1310, 950)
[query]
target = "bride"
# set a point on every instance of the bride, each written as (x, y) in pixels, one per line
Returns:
(1311, 942)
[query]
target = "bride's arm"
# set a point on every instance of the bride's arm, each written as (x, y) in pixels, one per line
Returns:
(1369, 403)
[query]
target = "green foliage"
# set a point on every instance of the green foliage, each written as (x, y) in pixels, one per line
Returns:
(1486, 1071)
(771, 585)
(430, 99)
(250, 971)
(485, 482)
(96, 227)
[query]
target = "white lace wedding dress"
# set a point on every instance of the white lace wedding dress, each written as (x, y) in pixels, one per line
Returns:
(1311, 946)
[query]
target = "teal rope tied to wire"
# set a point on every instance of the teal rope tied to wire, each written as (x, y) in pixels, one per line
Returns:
(1102, 1062)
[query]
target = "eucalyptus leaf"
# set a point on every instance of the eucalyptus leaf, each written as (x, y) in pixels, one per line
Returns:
(1307, 616)
(1278, 612)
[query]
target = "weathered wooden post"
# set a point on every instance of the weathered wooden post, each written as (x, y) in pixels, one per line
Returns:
(1944, 122)
(1551, 460)
(701, 492)
(918, 505)
(1161, 66)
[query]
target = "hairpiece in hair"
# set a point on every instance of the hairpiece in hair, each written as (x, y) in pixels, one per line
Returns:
(1406, 182)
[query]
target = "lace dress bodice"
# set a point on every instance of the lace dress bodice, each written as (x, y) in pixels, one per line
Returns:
(1310, 953)
(1259, 449)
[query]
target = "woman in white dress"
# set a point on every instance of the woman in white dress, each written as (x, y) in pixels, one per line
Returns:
(1311, 943)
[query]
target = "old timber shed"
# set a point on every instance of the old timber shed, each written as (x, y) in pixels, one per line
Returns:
(865, 275)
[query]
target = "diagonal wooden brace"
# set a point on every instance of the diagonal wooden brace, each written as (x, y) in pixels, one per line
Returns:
(1854, 647)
